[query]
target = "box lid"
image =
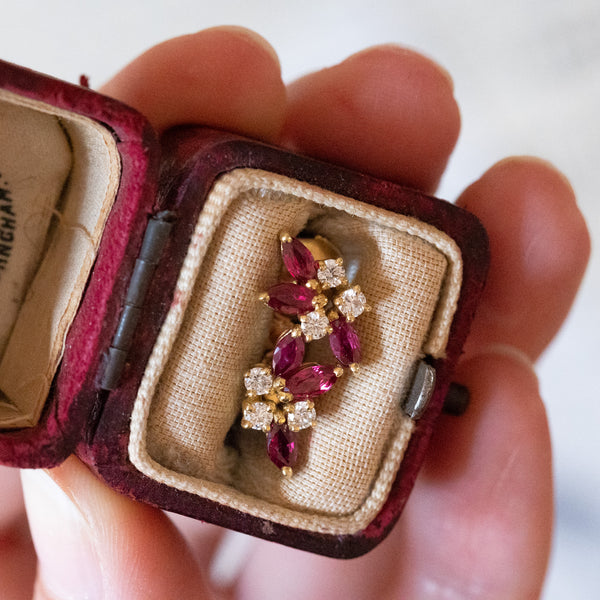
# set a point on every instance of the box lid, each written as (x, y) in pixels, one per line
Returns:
(110, 152)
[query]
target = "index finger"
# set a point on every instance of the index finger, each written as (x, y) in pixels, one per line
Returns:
(386, 111)
(224, 77)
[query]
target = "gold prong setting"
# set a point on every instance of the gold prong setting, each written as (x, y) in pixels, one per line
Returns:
(315, 325)
(318, 302)
(331, 273)
(258, 415)
(258, 380)
(352, 303)
(301, 415)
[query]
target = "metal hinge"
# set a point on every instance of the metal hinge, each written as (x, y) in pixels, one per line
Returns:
(155, 238)
(420, 391)
(456, 401)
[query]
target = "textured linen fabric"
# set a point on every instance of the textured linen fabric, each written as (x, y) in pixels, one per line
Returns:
(225, 332)
(192, 391)
(340, 456)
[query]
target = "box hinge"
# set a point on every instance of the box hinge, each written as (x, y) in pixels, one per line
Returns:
(420, 391)
(155, 238)
(419, 396)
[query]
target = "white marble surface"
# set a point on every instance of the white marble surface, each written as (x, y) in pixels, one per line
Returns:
(527, 78)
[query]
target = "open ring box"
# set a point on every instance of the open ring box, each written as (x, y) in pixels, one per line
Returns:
(129, 275)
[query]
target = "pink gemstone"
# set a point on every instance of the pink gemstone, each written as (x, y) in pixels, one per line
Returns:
(310, 381)
(291, 299)
(298, 260)
(344, 342)
(281, 446)
(288, 355)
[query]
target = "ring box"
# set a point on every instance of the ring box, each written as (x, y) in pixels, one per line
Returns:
(130, 269)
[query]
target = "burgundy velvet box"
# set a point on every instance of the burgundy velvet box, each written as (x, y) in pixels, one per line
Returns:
(138, 265)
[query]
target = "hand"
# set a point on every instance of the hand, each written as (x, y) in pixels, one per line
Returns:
(479, 522)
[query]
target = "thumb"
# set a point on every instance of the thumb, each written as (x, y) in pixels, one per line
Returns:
(94, 543)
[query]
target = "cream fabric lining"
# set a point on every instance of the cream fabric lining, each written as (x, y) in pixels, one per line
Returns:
(62, 171)
(192, 389)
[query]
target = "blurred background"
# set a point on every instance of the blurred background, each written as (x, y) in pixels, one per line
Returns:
(527, 79)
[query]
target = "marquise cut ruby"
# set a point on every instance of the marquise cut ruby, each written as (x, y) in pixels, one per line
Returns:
(291, 299)
(298, 260)
(344, 342)
(288, 355)
(310, 381)
(281, 446)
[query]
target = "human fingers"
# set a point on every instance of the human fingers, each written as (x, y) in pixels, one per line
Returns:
(95, 543)
(479, 521)
(17, 556)
(225, 77)
(489, 473)
(17, 560)
(11, 498)
(387, 111)
(539, 248)
(530, 480)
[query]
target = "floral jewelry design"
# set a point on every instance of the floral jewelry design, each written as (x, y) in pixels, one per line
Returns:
(318, 302)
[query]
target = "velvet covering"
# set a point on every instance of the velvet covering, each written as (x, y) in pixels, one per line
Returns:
(80, 417)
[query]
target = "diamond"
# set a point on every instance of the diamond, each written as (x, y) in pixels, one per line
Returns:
(258, 415)
(258, 380)
(315, 325)
(331, 273)
(301, 415)
(351, 303)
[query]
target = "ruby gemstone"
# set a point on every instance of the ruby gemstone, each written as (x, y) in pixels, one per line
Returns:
(344, 342)
(310, 381)
(298, 260)
(291, 299)
(281, 446)
(288, 355)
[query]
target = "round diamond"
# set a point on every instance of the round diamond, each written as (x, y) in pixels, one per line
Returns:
(331, 273)
(351, 302)
(301, 415)
(259, 415)
(258, 380)
(314, 325)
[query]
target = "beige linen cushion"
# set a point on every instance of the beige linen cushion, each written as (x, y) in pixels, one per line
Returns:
(190, 398)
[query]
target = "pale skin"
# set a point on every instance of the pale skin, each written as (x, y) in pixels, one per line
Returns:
(479, 521)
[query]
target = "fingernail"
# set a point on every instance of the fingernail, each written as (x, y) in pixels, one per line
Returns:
(512, 352)
(68, 563)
